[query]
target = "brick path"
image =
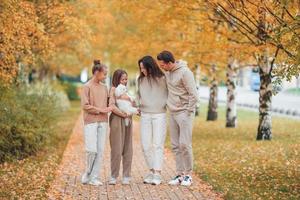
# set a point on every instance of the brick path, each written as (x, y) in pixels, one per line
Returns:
(67, 183)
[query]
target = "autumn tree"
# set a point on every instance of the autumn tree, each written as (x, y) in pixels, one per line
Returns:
(268, 26)
(18, 29)
(47, 36)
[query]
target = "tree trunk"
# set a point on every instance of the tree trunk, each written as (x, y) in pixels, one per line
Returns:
(265, 100)
(265, 92)
(231, 116)
(21, 78)
(44, 73)
(197, 85)
(212, 114)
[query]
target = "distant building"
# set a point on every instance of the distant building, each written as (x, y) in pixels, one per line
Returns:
(248, 78)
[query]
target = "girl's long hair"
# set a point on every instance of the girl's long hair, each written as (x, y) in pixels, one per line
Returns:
(117, 77)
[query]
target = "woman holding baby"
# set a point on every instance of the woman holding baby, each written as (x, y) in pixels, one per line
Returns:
(120, 132)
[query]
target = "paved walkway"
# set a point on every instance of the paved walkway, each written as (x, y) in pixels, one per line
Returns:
(67, 183)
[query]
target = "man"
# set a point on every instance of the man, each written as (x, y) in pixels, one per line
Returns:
(182, 100)
(95, 116)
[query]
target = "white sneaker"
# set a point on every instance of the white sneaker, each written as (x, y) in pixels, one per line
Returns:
(148, 178)
(187, 181)
(112, 181)
(156, 179)
(95, 182)
(176, 180)
(126, 181)
(85, 178)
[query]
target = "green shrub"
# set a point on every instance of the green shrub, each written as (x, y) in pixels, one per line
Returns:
(26, 116)
(72, 90)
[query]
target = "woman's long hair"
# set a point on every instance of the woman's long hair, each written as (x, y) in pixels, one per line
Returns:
(153, 71)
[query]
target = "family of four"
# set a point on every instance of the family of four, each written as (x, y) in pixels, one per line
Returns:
(175, 89)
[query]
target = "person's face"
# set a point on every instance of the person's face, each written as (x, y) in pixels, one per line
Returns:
(143, 69)
(165, 66)
(124, 79)
(101, 75)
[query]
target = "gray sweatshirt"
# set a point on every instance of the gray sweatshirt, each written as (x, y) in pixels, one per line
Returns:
(153, 96)
(182, 92)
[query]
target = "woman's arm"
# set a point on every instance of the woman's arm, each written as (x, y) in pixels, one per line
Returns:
(112, 103)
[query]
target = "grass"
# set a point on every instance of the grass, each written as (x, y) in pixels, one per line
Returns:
(31, 177)
(233, 162)
(294, 91)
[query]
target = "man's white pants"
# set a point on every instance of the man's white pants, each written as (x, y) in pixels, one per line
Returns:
(153, 135)
(95, 137)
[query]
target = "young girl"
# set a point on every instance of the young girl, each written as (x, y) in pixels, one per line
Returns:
(120, 134)
(95, 117)
(153, 93)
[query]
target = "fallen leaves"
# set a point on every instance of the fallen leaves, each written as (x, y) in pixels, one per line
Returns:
(233, 162)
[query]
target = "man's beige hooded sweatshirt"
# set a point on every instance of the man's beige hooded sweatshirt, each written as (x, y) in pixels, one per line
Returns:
(182, 91)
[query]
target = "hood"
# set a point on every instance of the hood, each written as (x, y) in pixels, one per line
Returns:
(180, 64)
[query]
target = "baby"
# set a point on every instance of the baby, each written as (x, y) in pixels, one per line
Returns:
(124, 102)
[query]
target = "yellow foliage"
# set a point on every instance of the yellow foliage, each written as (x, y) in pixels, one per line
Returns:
(65, 36)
